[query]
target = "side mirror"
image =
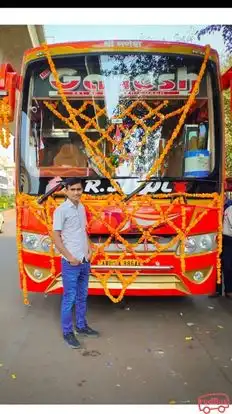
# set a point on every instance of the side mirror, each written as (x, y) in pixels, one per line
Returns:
(9, 81)
(228, 184)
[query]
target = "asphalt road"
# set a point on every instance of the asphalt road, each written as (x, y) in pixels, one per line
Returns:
(151, 350)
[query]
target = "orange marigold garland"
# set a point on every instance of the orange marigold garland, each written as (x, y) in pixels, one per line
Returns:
(48, 205)
(188, 105)
(219, 237)
(43, 213)
(19, 247)
(4, 122)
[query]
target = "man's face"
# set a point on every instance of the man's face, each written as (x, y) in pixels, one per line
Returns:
(74, 192)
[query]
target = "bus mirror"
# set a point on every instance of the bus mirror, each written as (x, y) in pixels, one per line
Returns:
(228, 184)
(9, 81)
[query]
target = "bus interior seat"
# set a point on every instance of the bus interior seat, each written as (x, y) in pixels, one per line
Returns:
(70, 155)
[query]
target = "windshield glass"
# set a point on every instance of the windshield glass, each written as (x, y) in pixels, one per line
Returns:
(126, 107)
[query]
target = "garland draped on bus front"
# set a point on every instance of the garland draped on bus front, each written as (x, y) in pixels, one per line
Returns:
(44, 212)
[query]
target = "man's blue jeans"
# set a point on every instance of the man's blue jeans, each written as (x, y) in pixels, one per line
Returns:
(75, 283)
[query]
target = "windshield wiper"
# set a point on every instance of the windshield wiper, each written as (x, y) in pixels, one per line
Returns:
(137, 190)
(57, 187)
(61, 184)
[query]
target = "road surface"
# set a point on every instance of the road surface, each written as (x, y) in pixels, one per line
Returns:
(151, 350)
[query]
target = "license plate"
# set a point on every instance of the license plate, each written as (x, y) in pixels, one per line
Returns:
(120, 263)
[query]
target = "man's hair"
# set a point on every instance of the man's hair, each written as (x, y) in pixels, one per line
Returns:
(72, 180)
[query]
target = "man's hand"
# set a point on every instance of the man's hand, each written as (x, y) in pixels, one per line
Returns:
(73, 261)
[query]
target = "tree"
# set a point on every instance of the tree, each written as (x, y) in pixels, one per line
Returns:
(228, 133)
(188, 37)
(226, 31)
(228, 126)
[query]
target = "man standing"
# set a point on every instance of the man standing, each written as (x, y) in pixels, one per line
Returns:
(71, 239)
(226, 251)
(226, 256)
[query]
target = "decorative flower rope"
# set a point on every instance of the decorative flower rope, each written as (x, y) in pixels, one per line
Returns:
(158, 202)
(4, 122)
(44, 213)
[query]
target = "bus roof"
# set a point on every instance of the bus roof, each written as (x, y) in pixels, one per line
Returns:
(136, 46)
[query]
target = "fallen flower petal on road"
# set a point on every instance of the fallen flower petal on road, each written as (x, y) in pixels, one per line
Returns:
(188, 338)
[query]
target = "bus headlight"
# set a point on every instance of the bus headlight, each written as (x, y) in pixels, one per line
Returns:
(39, 243)
(31, 241)
(190, 245)
(206, 242)
(199, 244)
(46, 244)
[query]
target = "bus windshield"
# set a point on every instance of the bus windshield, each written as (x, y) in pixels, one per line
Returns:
(127, 106)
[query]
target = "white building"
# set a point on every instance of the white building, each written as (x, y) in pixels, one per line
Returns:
(7, 176)
(3, 182)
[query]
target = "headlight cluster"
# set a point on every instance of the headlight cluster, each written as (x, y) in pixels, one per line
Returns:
(37, 242)
(199, 244)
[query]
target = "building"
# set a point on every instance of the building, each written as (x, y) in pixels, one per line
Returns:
(3, 182)
(7, 176)
(14, 40)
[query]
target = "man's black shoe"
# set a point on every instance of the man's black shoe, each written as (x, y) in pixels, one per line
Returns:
(87, 331)
(71, 340)
(228, 295)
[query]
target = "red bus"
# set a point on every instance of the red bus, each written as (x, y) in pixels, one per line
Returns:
(142, 123)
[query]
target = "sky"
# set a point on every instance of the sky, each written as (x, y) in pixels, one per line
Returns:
(121, 24)
(65, 33)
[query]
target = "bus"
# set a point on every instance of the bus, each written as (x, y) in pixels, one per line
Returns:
(141, 122)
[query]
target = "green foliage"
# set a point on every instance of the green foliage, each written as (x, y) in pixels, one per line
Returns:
(228, 133)
(114, 160)
(228, 124)
(226, 31)
(7, 202)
